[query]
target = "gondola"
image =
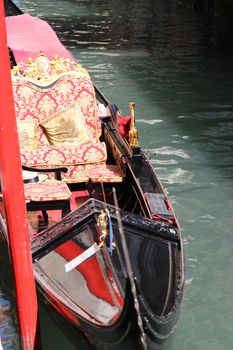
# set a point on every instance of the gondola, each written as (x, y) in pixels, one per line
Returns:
(112, 266)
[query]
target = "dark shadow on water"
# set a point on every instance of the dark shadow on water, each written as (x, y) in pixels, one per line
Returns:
(9, 332)
(55, 331)
(55, 334)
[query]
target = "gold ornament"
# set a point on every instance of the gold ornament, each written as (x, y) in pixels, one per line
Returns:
(44, 71)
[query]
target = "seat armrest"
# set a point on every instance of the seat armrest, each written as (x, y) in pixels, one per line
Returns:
(57, 171)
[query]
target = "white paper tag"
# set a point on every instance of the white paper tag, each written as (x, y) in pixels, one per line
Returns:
(82, 257)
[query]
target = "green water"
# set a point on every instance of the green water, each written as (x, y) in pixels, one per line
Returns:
(172, 62)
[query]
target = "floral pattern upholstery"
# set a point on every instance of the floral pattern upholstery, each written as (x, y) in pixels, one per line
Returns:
(35, 102)
(104, 173)
(32, 101)
(75, 174)
(93, 152)
(50, 190)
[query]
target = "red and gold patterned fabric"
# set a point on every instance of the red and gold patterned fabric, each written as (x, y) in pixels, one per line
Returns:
(34, 102)
(50, 190)
(92, 152)
(104, 173)
(75, 174)
(67, 127)
(38, 103)
(28, 134)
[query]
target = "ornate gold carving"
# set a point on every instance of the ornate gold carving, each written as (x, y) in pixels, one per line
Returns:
(45, 71)
(133, 133)
(42, 65)
(117, 154)
(102, 223)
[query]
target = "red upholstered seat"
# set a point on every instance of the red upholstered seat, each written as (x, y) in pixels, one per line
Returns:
(50, 190)
(38, 102)
(47, 195)
(104, 173)
(92, 152)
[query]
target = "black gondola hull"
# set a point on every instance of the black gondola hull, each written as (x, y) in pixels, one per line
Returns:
(119, 328)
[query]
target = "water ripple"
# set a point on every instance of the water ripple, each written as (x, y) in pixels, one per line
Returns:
(149, 121)
(164, 161)
(188, 281)
(177, 176)
(8, 334)
(167, 150)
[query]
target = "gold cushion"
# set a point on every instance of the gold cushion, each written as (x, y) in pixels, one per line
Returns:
(66, 127)
(27, 133)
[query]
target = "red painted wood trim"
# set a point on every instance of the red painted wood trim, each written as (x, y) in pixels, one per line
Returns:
(13, 196)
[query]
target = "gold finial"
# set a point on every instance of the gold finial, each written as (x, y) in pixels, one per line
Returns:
(133, 133)
(132, 107)
(30, 61)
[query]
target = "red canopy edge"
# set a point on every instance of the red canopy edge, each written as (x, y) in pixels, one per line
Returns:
(14, 201)
(27, 36)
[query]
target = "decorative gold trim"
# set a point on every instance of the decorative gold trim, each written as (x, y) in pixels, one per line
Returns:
(103, 223)
(133, 133)
(42, 70)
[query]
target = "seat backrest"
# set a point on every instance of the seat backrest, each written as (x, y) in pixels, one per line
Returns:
(37, 99)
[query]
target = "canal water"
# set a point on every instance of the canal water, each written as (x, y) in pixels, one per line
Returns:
(174, 63)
